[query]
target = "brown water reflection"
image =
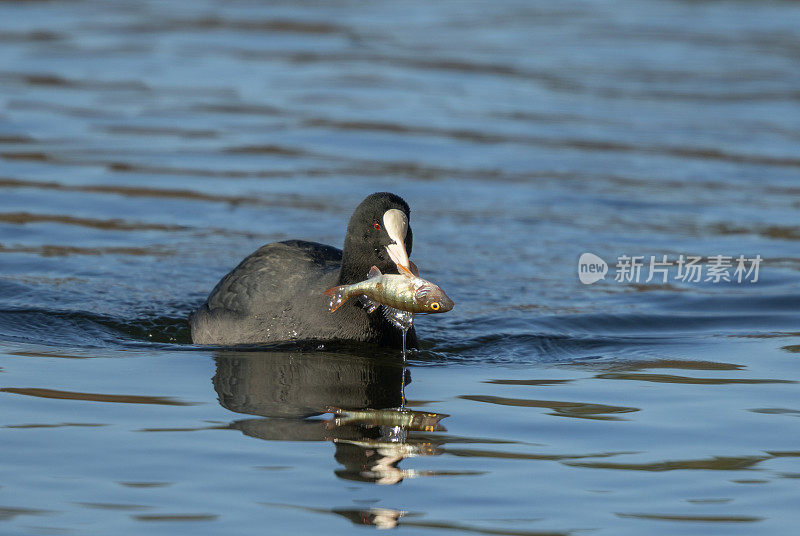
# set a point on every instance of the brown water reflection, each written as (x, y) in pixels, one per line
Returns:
(631, 370)
(581, 410)
(7, 513)
(176, 517)
(682, 364)
(696, 518)
(169, 193)
(671, 378)
(52, 250)
(716, 463)
(95, 397)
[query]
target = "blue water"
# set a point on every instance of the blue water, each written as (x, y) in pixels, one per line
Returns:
(147, 147)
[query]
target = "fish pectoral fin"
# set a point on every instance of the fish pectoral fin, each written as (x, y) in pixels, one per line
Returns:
(374, 272)
(368, 303)
(398, 318)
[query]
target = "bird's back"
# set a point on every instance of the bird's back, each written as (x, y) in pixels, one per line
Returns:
(276, 294)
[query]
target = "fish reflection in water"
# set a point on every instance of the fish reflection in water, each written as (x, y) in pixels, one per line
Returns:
(381, 518)
(406, 419)
(371, 430)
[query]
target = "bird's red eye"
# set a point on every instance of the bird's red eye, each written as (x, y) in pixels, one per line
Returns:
(377, 226)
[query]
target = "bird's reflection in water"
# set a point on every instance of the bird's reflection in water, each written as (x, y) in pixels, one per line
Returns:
(371, 430)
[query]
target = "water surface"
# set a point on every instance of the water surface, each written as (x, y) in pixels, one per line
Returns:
(146, 147)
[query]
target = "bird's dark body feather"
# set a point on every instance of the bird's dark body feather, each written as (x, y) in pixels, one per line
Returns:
(276, 294)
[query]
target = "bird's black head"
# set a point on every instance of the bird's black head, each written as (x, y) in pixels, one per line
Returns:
(379, 235)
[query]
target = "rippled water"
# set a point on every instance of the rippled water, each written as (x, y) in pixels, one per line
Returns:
(146, 147)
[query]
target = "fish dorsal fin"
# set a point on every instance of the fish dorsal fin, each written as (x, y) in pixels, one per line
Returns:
(374, 272)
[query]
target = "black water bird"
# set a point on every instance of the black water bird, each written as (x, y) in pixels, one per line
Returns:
(276, 293)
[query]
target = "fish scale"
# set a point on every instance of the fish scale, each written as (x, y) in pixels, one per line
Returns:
(404, 292)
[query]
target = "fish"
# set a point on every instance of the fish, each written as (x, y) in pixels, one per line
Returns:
(404, 293)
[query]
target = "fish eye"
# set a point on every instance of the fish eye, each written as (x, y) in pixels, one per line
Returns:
(435, 306)
(377, 226)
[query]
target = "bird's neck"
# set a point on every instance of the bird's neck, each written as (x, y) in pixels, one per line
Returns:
(352, 271)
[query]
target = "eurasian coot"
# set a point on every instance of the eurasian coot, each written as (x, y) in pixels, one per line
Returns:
(276, 294)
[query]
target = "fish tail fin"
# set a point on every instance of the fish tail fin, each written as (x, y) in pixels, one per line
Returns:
(338, 296)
